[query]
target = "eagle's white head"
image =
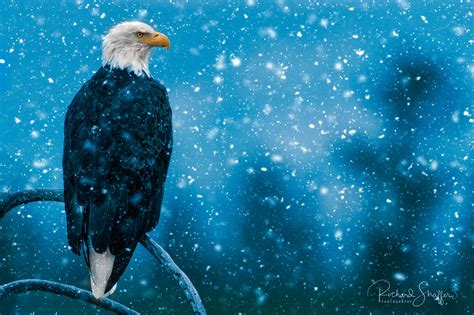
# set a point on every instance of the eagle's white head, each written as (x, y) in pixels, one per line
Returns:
(127, 46)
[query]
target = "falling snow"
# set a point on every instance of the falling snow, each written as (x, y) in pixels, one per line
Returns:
(319, 147)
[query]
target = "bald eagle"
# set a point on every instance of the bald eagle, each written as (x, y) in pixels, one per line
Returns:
(117, 148)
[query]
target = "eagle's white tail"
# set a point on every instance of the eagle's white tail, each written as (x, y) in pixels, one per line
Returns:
(101, 269)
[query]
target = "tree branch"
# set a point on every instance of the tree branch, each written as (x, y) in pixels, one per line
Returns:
(22, 286)
(162, 256)
(9, 201)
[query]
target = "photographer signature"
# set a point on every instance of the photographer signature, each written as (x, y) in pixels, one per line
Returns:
(416, 297)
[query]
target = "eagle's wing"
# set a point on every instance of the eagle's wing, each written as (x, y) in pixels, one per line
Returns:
(116, 157)
(134, 145)
(76, 122)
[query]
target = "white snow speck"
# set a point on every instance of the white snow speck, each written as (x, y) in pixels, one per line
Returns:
(35, 134)
(220, 63)
(399, 276)
(459, 30)
(269, 32)
(276, 158)
(142, 13)
(324, 23)
(267, 109)
(218, 79)
(39, 163)
(348, 93)
(236, 62)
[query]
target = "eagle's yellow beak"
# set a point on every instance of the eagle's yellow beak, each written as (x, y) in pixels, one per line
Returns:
(156, 39)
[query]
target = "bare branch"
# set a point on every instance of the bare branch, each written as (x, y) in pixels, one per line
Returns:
(10, 201)
(167, 262)
(22, 286)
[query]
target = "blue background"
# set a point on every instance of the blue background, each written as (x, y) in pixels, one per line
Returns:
(319, 147)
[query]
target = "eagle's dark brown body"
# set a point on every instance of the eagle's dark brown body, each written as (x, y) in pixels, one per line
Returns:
(117, 148)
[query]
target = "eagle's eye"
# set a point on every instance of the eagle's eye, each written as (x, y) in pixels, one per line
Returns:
(139, 34)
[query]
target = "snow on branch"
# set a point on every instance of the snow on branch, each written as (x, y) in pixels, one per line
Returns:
(9, 201)
(22, 286)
